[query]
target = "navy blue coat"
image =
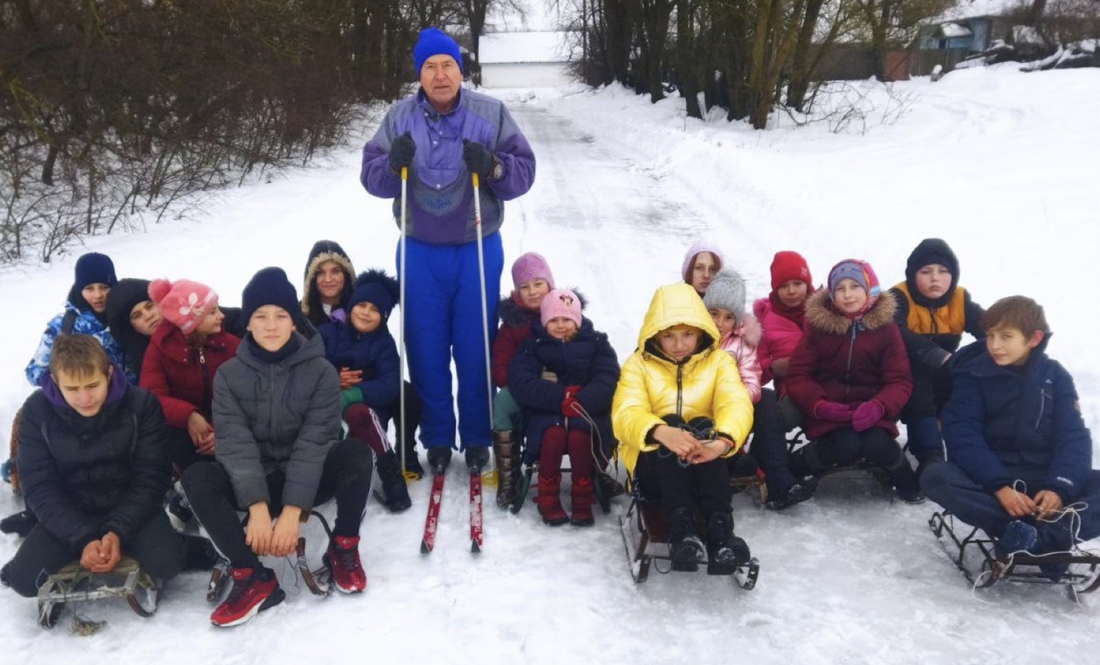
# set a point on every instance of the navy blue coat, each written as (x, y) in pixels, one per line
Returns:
(373, 353)
(83, 477)
(587, 360)
(1006, 423)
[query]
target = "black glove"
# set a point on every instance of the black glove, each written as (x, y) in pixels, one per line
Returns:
(478, 159)
(401, 152)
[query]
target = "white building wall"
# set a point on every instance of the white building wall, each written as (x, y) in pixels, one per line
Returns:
(524, 75)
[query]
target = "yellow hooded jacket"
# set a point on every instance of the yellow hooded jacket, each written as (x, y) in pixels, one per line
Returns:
(707, 383)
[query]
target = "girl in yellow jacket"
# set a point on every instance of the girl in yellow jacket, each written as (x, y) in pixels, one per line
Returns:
(679, 407)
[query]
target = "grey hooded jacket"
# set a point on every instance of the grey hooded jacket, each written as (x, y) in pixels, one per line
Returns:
(276, 416)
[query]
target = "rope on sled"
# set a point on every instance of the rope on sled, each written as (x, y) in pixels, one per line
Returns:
(602, 461)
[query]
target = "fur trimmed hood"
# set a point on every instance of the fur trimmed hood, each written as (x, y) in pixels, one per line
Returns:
(511, 314)
(323, 251)
(821, 315)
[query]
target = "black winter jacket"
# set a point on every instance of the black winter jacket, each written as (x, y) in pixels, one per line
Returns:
(83, 477)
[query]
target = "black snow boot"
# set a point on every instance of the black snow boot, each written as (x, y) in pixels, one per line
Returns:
(684, 545)
(393, 483)
(477, 458)
(20, 523)
(439, 458)
(506, 452)
(803, 490)
(905, 482)
(725, 551)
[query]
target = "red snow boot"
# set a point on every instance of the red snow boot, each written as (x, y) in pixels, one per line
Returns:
(549, 494)
(254, 590)
(582, 502)
(342, 560)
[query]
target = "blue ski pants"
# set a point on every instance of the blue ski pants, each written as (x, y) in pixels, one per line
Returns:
(443, 317)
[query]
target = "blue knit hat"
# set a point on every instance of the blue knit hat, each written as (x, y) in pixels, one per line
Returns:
(270, 286)
(94, 268)
(433, 41)
(377, 288)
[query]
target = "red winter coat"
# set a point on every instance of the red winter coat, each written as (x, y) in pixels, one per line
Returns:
(515, 326)
(849, 362)
(182, 377)
(781, 336)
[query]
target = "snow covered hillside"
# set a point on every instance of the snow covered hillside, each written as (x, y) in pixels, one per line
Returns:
(1005, 166)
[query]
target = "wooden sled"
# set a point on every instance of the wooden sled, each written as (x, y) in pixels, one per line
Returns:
(74, 584)
(317, 580)
(645, 538)
(975, 554)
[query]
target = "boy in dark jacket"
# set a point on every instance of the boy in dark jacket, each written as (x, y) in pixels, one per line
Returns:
(564, 378)
(276, 426)
(1019, 452)
(363, 344)
(94, 466)
(933, 312)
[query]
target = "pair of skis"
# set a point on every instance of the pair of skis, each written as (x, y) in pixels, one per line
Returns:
(431, 523)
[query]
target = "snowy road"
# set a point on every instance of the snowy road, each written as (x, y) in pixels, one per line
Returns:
(623, 188)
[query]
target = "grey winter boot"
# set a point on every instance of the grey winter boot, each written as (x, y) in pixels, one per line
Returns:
(506, 452)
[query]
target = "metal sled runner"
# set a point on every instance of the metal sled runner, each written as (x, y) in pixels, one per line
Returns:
(317, 580)
(645, 527)
(976, 556)
(74, 584)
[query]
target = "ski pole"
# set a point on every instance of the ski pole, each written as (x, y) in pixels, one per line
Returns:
(484, 301)
(404, 312)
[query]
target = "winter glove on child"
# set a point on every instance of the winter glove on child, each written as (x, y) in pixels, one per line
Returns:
(349, 397)
(570, 407)
(401, 152)
(866, 415)
(833, 411)
(477, 157)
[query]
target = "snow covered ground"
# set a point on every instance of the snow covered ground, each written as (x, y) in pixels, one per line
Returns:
(1003, 165)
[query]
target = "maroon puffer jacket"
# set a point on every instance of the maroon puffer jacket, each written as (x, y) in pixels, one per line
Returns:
(849, 362)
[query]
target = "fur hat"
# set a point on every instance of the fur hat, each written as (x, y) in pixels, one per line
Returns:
(787, 266)
(322, 252)
(561, 302)
(377, 288)
(269, 286)
(695, 250)
(727, 291)
(94, 268)
(183, 302)
(529, 267)
(433, 41)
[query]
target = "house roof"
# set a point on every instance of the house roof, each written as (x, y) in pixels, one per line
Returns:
(974, 8)
(515, 47)
(954, 30)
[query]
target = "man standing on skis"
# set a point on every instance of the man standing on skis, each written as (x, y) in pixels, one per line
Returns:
(442, 135)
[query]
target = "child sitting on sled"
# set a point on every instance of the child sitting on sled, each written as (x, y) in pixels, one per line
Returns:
(739, 334)
(782, 315)
(278, 453)
(1020, 456)
(362, 343)
(850, 376)
(933, 313)
(563, 378)
(94, 466)
(680, 410)
(533, 280)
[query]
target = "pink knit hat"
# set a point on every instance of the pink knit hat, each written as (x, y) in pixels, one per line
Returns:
(183, 302)
(697, 249)
(531, 266)
(561, 302)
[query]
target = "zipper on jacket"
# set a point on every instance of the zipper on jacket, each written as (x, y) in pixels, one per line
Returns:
(205, 380)
(935, 330)
(1042, 402)
(680, 390)
(851, 351)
